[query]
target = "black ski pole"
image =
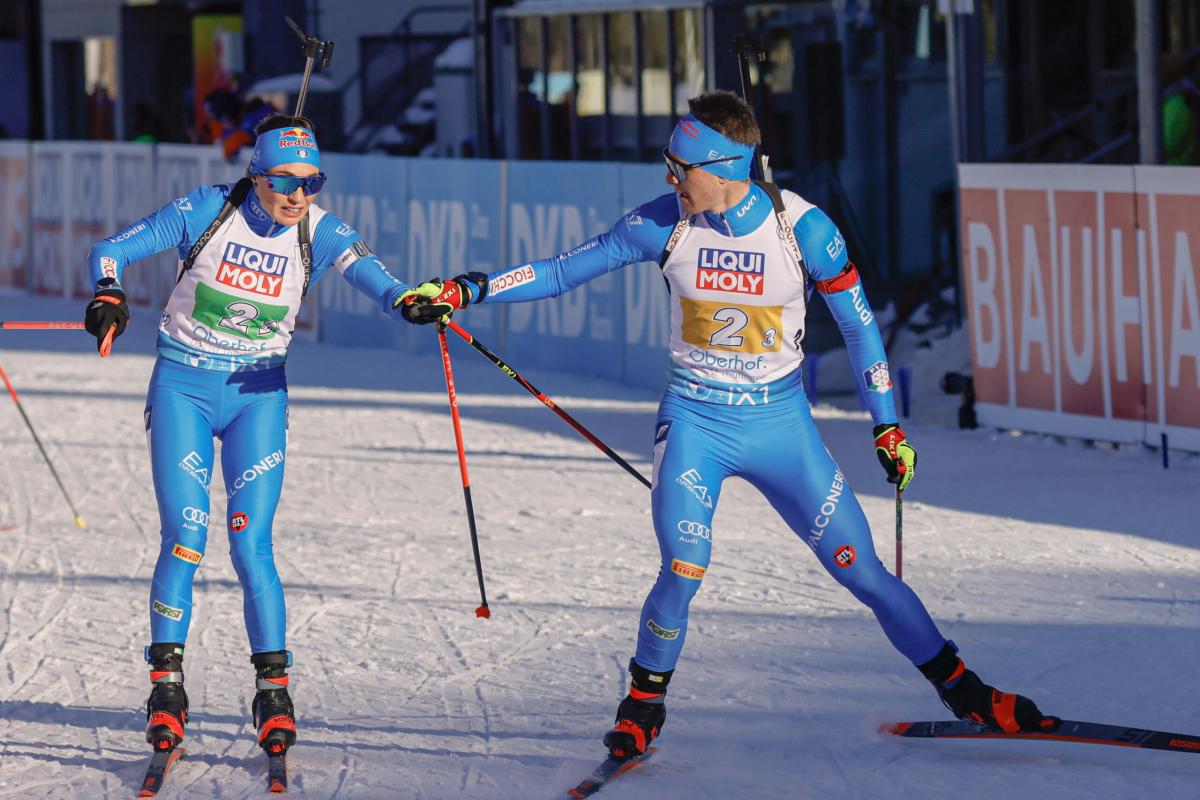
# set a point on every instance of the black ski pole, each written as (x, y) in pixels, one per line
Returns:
(546, 401)
(483, 610)
(13, 393)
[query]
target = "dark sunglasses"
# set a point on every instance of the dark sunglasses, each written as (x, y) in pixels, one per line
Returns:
(680, 168)
(288, 184)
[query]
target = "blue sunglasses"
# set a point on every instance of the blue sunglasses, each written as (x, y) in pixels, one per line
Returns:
(288, 184)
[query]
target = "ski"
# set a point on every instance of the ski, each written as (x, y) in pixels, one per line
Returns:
(160, 764)
(609, 769)
(277, 773)
(1068, 730)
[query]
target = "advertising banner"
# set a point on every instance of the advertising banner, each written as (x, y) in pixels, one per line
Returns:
(1082, 299)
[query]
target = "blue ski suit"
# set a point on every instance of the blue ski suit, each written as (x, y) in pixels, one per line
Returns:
(222, 344)
(738, 315)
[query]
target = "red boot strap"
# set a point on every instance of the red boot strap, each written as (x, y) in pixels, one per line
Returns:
(165, 676)
(167, 720)
(638, 694)
(1004, 708)
(958, 671)
(634, 730)
(268, 684)
(281, 722)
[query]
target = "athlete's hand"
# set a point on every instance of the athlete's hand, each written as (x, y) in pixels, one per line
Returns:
(107, 309)
(434, 300)
(896, 455)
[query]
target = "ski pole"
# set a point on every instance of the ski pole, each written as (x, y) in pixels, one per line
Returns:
(899, 533)
(550, 404)
(483, 610)
(13, 393)
(23, 325)
(20, 325)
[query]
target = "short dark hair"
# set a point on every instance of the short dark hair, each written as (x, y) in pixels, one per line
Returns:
(277, 121)
(728, 114)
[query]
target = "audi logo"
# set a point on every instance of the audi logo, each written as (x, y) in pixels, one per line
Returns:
(196, 516)
(689, 528)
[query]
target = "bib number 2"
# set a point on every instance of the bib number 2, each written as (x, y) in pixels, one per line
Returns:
(242, 315)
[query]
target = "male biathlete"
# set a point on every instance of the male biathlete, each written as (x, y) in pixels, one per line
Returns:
(741, 259)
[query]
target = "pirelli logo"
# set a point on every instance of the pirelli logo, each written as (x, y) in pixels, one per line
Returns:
(685, 569)
(187, 554)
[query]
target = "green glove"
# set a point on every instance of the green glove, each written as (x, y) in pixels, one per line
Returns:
(896, 455)
(433, 301)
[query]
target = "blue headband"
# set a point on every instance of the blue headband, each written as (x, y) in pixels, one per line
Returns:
(693, 141)
(285, 146)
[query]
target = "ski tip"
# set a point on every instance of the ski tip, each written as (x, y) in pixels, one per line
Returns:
(278, 787)
(483, 611)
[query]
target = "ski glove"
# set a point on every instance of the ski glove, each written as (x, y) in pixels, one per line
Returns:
(108, 308)
(896, 455)
(434, 301)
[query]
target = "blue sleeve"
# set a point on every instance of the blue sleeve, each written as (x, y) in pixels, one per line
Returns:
(836, 279)
(639, 236)
(177, 224)
(337, 244)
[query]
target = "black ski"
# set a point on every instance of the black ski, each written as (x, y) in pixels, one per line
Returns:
(609, 769)
(1068, 730)
(277, 773)
(160, 764)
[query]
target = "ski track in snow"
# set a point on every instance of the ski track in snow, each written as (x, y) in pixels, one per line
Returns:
(1066, 572)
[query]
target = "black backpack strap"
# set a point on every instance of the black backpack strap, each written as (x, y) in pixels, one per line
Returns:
(676, 234)
(785, 226)
(236, 197)
(305, 252)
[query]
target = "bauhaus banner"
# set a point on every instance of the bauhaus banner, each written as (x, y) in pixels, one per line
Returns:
(1082, 299)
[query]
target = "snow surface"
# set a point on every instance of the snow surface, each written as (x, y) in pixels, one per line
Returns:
(1065, 571)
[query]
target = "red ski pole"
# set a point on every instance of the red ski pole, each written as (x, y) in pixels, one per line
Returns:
(21, 325)
(483, 610)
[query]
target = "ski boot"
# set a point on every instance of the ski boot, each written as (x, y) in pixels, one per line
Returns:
(641, 714)
(969, 698)
(167, 706)
(274, 716)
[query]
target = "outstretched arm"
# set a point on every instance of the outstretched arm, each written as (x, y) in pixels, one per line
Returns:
(338, 245)
(639, 236)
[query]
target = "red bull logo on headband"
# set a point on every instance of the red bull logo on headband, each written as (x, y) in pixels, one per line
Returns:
(285, 146)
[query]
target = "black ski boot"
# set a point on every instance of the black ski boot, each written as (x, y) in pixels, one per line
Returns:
(969, 698)
(641, 714)
(167, 707)
(274, 716)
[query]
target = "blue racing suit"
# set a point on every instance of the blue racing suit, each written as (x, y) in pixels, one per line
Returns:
(734, 404)
(222, 344)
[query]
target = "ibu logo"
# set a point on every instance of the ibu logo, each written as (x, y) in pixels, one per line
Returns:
(730, 271)
(252, 270)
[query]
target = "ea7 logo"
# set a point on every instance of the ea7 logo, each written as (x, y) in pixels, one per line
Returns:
(691, 479)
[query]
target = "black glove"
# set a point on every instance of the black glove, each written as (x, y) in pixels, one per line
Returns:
(434, 300)
(108, 308)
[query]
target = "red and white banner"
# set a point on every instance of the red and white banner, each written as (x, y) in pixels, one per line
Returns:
(1082, 299)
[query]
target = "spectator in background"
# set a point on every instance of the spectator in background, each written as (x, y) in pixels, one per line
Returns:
(1181, 100)
(237, 119)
